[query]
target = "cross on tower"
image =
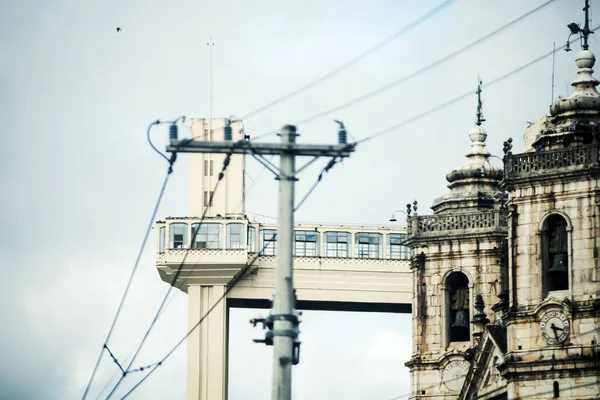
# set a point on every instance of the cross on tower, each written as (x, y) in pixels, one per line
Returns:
(585, 32)
(480, 118)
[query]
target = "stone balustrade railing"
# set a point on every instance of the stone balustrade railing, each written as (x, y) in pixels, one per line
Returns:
(434, 224)
(528, 164)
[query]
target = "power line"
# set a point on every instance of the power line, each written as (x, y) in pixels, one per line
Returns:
(234, 282)
(329, 165)
(135, 266)
(462, 96)
(353, 60)
(425, 69)
(176, 276)
(415, 73)
(171, 298)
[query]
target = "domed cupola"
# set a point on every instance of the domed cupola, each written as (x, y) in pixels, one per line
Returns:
(474, 185)
(574, 120)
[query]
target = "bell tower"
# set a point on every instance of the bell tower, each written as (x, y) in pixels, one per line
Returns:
(456, 255)
(553, 323)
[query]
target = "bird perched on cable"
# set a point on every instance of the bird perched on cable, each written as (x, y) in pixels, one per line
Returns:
(118, 29)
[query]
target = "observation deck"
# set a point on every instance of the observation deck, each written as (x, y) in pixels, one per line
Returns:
(332, 263)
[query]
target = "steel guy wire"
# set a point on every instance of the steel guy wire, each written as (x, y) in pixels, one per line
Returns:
(416, 73)
(135, 266)
(461, 97)
(176, 276)
(353, 60)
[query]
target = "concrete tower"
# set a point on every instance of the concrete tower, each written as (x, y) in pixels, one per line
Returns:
(230, 199)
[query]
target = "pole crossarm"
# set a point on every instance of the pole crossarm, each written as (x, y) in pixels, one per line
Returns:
(248, 147)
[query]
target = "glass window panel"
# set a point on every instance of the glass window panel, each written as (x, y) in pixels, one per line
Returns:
(336, 244)
(306, 243)
(207, 236)
(161, 239)
(268, 242)
(235, 236)
(368, 245)
(178, 235)
(251, 239)
(394, 249)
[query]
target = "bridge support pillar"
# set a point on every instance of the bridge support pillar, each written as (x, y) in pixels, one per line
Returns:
(207, 345)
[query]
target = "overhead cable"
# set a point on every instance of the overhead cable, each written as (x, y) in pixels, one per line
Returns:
(461, 97)
(414, 74)
(128, 286)
(353, 60)
(230, 286)
(426, 68)
(175, 277)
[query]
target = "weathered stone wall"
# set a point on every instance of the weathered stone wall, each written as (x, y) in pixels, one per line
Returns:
(578, 202)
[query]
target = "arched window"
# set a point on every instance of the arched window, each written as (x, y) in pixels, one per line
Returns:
(555, 260)
(178, 235)
(556, 390)
(457, 308)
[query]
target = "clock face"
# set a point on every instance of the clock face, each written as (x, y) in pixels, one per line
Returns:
(454, 374)
(554, 327)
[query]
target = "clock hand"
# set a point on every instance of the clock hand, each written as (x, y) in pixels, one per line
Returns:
(553, 327)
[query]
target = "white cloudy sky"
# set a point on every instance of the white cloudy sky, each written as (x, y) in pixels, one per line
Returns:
(80, 180)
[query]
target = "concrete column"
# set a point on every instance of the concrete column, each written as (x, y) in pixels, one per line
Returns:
(207, 345)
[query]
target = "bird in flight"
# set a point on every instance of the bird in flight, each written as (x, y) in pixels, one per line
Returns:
(118, 29)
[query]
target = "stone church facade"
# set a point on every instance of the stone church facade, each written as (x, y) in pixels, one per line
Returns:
(506, 271)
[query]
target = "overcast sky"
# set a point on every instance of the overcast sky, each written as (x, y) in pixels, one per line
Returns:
(80, 180)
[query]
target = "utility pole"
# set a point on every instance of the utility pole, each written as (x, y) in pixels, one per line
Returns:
(282, 323)
(284, 301)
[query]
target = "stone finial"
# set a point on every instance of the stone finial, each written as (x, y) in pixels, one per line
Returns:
(585, 96)
(408, 210)
(480, 318)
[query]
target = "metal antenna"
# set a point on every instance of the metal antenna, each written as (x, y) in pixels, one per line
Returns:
(210, 45)
(480, 118)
